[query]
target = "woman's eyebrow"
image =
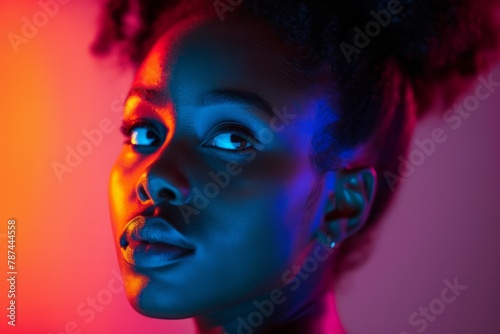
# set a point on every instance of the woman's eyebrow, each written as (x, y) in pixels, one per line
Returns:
(144, 93)
(221, 96)
(213, 97)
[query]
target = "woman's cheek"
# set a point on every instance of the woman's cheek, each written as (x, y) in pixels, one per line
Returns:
(121, 196)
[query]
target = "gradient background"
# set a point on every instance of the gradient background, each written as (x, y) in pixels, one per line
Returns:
(444, 224)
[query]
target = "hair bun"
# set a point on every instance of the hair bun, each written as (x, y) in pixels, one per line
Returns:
(441, 44)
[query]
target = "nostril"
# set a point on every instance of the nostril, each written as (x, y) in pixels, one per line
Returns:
(167, 194)
(143, 195)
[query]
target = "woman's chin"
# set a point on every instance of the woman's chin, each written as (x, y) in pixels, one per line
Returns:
(157, 305)
(152, 309)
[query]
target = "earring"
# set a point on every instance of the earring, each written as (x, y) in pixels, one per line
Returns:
(325, 239)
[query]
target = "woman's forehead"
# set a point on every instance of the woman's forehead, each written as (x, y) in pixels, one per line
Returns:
(199, 55)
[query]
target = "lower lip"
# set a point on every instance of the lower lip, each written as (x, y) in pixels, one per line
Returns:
(153, 255)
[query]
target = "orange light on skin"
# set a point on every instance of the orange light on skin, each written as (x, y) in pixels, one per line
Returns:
(150, 73)
(164, 114)
(131, 103)
(116, 190)
(150, 86)
(134, 284)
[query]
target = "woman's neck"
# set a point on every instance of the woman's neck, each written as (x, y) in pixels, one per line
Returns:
(319, 317)
(305, 308)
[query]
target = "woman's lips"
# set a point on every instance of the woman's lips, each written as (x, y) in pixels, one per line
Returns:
(152, 242)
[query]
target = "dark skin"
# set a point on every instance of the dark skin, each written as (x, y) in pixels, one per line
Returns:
(195, 97)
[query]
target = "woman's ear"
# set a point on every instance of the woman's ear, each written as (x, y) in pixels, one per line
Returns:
(348, 204)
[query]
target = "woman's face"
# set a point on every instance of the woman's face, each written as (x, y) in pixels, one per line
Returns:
(215, 177)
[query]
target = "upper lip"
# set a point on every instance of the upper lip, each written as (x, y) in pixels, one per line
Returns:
(152, 230)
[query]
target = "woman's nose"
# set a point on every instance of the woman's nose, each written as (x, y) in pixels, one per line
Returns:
(155, 187)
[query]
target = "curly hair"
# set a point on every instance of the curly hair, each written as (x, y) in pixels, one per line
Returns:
(386, 62)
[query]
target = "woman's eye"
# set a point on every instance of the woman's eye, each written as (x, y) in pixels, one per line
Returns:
(143, 136)
(229, 141)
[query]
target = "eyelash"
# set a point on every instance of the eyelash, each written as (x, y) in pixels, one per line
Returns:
(129, 125)
(236, 129)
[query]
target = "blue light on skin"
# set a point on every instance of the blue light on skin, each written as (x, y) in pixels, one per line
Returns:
(198, 101)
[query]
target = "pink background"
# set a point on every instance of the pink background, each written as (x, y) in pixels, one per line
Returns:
(444, 224)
